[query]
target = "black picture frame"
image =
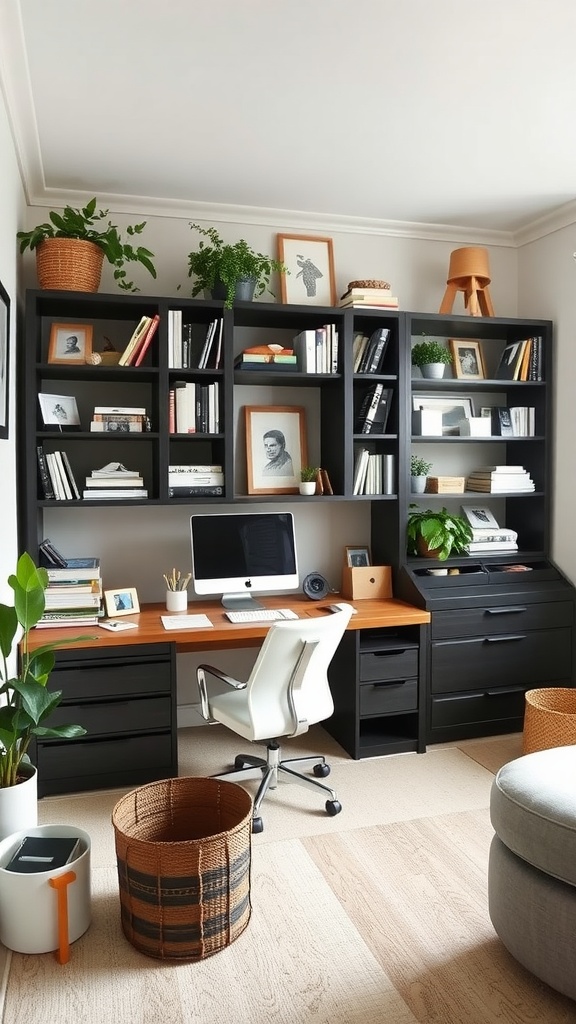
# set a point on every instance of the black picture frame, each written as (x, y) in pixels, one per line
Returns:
(4, 362)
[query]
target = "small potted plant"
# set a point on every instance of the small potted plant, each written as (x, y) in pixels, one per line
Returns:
(26, 700)
(230, 271)
(71, 247)
(436, 534)
(432, 357)
(419, 470)
(308, 475)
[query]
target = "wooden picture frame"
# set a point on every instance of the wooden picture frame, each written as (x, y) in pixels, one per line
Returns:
(358, 557)
(275, 448)
(310, 280)
(4, 361)
(453, 410)
(122, 601)
(70, 344)
(59, 411)
(468, 362)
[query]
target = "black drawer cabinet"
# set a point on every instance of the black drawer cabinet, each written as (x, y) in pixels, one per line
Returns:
(505, 659)
(376, 681)
(511, 616)
(125, 698)
(499, 707)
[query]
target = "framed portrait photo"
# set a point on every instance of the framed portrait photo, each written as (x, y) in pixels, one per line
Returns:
(357, 557)
(467, 358)
(4, 360)
(123, 601)
(275, 448)
(453, 410)
(310, 262)
(70, 343)
(59, 411)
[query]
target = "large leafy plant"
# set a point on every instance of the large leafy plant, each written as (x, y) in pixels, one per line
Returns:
(436, 533)
(229, 264)
(27, 702)
(90, 225)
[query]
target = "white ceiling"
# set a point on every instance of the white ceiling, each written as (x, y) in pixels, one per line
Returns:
(398, 112)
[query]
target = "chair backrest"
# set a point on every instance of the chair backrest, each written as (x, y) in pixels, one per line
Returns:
(288, 687)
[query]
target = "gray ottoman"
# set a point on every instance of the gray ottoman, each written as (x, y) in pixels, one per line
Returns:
(532, 869)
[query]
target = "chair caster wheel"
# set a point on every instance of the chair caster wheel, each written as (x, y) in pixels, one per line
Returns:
(321, 770)
(333, 807)
(258, 824)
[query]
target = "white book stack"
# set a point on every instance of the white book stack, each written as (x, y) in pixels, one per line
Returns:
(114, 482)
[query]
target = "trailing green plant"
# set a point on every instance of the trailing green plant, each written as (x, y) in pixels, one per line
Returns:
(419, 467)
(430, 351)
(87, 225)
(308, 474)
(229, 264)
(441, 533)
(27, 702)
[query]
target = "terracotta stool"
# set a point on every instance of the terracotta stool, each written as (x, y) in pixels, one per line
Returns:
(469, 272)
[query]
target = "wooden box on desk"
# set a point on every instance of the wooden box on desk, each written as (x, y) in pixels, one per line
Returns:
(364, 581)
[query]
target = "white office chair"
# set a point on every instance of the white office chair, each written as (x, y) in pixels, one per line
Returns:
(286, 693)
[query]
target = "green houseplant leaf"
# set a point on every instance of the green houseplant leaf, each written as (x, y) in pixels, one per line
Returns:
(219, 261)
(438, 533)
(430, 351)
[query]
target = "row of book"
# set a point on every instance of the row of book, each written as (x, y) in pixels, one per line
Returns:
(369, 350)
(317, 350)
(194, 408)
(360, 297)
(373, 472)
(513, 421)
(73, 596)
(500, 480)
(57, 481)
(521, 360)
(190, 346)
(373, 410)
(140, 341)
(190, 481)
(124, 419)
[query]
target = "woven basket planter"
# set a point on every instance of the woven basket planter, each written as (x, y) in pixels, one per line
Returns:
(549, 719)
(69, 264)
(183, 849)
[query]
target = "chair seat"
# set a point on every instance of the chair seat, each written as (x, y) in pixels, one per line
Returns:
(232, 710)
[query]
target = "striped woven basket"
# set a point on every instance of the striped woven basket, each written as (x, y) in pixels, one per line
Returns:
(183, 849)
(69, 264)
(549, 719)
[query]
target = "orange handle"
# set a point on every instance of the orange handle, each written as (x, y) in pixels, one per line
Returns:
(61, 883)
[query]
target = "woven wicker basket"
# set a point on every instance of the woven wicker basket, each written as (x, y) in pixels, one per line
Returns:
(69, 264)
(183, 849)
(549, 719)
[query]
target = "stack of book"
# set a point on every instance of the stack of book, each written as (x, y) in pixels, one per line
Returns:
(500, 480)
(368, 351)
(369, 298)
(114, 482)
(139, 343)
(195, 481)
(374, 409)
(487, 536)
(74, 593)
(194, 408)
(122, 419)
(266, 357)
(317, 350)
(56, 476)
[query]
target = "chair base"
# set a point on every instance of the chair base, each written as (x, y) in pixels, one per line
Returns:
(270, 769)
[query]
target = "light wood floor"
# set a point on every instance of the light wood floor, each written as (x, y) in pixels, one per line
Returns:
(377, 916)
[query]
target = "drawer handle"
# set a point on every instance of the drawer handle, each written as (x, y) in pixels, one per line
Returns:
(505, 692)
(504, 639)
(505, 611)
(389, 654)
(393, 682)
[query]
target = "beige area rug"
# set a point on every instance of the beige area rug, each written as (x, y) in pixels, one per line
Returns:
(376, 916)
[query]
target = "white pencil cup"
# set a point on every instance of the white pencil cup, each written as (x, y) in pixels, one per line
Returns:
(176, 600)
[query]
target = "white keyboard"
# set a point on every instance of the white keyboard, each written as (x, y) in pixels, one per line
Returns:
(261, 615)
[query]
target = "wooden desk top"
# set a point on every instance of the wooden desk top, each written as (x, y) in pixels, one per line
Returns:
(370, 614)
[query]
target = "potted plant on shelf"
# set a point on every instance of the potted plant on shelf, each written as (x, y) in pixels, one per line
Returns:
(436, 534)
(230, 271)
(71, 247)
(308, 475)
(432, 357)
(27, 702)
(419, 470)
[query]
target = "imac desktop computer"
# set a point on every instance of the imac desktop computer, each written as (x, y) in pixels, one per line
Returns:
(239, 554)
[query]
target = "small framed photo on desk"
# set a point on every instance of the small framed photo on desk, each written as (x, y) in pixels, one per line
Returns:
(357, 557)
(121, 602)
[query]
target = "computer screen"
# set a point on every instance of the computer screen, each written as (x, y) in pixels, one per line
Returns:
(238, 554)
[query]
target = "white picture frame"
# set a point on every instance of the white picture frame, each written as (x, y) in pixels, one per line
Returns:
(479, 517)
(122, 601)
(59, 411)
(453, 408)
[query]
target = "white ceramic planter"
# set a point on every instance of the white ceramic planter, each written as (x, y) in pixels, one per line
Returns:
(433, 371)
(29, 917)
(308, 487)
(19, 804)
(418, 484)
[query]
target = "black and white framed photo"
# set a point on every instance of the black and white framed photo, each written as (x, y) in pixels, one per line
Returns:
(59, 411)
(123, 601)
(4, 360)
(467, 359)
(453, 410)
(480, 518)
(275, 448)
(70, 343)
(357, 557)
(310, 279)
